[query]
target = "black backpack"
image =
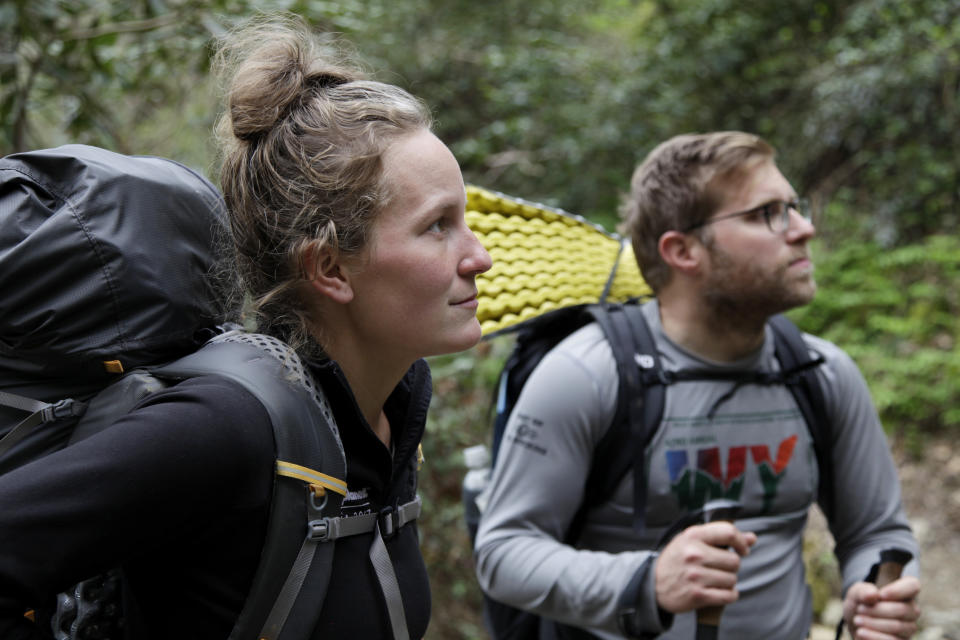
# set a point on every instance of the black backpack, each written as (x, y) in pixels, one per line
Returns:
(640, 400)
(104, 265)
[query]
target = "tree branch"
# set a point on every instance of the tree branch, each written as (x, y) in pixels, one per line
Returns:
(131, 26)
(20, 121)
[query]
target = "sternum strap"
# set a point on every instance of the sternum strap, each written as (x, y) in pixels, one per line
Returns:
(327, 529)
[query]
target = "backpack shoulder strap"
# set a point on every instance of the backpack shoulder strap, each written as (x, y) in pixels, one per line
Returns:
(648, 411)
(640, 399)
(294, 569)
(799, 370)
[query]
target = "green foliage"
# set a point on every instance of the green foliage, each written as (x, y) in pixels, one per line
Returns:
(129, 76)
(885, 99)
(459, 418)
(77, 71)
(895, 311)
(554, 101)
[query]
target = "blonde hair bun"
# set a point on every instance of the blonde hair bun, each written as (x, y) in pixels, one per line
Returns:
(271, 65)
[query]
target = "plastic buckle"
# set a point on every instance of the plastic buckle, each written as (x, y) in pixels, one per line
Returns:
(67, 408)
(319, 530)
(771, 378)
(650, 377)
(792, 378)
(389, 521)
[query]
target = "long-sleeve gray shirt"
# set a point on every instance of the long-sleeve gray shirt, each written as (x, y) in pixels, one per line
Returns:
(753, 447)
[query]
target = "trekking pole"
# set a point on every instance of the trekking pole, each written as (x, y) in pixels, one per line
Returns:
(708, 618)
(890, 566)
(886, 570)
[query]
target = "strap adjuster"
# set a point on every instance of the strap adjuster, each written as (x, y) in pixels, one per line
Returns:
(322, 530)
(392, 519)
(650, 377)
(67, 408)
(389, 520)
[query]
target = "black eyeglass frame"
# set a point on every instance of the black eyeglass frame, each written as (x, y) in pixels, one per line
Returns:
(800, 205)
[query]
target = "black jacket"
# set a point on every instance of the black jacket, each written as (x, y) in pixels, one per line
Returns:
(178, 492)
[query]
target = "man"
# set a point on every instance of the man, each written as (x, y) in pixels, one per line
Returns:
(722, 239)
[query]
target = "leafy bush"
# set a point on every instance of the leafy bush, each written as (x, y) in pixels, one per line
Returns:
(895, 312)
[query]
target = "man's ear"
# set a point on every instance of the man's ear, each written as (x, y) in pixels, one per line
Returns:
(683, 252)
(325, 274)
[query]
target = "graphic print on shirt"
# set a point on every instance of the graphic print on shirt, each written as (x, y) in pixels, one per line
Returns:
(755, 458)
(526, 433)
(694, 487)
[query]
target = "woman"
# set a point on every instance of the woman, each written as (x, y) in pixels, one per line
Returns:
(347, 218)
(348, 215)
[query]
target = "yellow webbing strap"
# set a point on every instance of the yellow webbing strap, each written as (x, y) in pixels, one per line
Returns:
(544, 259)
(311, 477)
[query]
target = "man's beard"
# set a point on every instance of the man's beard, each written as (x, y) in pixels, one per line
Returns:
(741, 293)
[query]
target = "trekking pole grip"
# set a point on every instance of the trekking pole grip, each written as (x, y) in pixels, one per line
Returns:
(890, 566)
(708, 618)
(888, 569)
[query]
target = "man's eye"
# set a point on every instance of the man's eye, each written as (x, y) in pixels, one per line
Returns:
(776, 208)
(437, 226)
(768, 212)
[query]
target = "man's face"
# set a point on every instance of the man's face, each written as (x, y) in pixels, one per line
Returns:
(751, 270)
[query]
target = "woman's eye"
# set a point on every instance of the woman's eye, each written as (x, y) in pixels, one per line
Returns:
(437, 226)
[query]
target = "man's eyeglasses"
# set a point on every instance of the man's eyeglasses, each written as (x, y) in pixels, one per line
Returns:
(776, 214)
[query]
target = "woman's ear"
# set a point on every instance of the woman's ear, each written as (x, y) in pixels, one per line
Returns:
(683, 252)
(324, 273)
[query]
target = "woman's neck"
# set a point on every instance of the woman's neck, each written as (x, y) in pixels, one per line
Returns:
(371, 382)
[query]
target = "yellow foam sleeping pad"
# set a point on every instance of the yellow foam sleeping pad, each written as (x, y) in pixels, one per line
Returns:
(544, 259)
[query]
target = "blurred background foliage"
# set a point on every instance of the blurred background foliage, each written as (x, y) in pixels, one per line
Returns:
(556, 101)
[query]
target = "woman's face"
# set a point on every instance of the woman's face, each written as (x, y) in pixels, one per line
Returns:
(414, 289)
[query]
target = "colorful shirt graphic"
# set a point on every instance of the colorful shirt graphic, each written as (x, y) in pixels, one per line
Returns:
(694, 487)
(762, 459)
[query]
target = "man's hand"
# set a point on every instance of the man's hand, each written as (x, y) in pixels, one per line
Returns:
(888, 613)
(699, 567)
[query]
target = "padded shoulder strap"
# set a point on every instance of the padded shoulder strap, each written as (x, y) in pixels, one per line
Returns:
(640, 399)
(283, 601)
(800, 376)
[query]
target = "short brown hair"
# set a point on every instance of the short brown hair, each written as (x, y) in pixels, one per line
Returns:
(671, 190)
(302, 138)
